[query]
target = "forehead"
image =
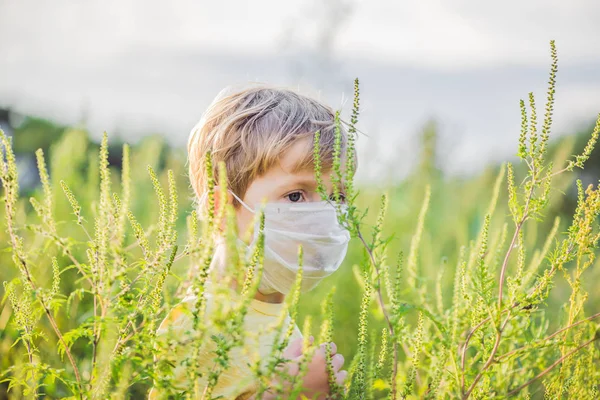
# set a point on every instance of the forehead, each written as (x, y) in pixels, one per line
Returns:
(298, 157)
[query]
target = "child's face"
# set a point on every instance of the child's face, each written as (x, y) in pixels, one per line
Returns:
(281, 184)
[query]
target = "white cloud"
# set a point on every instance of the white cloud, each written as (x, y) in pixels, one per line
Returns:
(431, 33)
(472, 33)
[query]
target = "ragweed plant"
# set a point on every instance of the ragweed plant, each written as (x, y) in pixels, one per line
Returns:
(497, 300)
(106, 264)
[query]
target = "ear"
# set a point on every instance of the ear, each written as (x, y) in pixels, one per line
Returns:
(218, 199)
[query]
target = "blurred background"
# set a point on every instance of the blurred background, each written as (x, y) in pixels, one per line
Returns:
(440, 90)
(140, 67)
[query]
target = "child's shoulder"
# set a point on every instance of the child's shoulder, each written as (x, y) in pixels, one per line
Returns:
(177, 317)
(181, 315)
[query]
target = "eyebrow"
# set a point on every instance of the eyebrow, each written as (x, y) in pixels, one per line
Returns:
(305, 183)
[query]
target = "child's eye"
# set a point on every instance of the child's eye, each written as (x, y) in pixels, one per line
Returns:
(342, 197)
(294, 197)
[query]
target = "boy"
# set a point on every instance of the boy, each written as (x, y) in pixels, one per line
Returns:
(265, 135)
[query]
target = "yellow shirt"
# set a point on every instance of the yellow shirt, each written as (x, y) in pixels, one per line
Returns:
(237, 381)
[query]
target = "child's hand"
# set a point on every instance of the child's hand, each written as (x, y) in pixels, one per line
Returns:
(316, 379)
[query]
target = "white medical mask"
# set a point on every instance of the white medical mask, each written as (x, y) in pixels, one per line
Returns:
(315, 226)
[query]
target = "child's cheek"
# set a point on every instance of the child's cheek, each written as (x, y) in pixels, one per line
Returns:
(245, 224)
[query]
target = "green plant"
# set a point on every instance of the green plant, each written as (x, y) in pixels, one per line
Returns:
(89, 291)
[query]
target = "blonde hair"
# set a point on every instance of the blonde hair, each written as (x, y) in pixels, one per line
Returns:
(250, 129)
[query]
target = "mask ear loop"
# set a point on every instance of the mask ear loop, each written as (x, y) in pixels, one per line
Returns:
(246, 206)
(202, 199)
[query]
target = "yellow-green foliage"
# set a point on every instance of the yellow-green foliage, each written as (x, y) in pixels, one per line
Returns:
(497, 297)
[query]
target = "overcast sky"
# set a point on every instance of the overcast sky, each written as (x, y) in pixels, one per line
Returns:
(148, 66)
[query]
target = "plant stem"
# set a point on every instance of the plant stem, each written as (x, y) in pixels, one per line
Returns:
(67, 350)
(510, 353)
(466, 345)
(94, 343)
(385, 313)
(544, 372)
(500, 289)
(27, 274)
(54, 327)
(30, 356)
(506, 258)
(552, 270)
(490, 359)
(54, 236)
